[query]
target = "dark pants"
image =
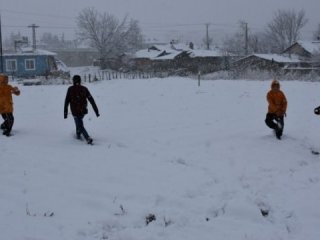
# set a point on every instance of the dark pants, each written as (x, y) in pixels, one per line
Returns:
(7, 125)
(80, 127)
(275, 122)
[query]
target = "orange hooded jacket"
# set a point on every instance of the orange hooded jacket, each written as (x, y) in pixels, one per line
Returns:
(277, 100)
(6, 91)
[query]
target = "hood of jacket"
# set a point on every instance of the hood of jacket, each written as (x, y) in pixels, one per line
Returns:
(275, 83)
(3, 79)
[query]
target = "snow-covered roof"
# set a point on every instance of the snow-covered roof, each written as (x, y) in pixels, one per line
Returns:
(31, 52)
(160, 52)
(170, 51)
(276, 58)
(206, 53)
(311, 47)
(145, 53)
(169, 56)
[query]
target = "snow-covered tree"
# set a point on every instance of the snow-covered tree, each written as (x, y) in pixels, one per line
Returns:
(106, 33)
(285, 28)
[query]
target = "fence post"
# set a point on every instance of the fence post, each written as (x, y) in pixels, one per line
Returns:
(199, 77)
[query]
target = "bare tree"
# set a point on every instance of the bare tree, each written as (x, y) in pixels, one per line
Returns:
(285, 28)
(236, 42)
(9, 42)
(233, 43)
(110, 36)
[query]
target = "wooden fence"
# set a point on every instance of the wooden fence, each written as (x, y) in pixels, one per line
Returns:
(110, 75)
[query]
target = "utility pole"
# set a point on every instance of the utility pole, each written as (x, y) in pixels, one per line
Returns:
(207, 36)
(34, 41)
(1, 50)
(246, 38)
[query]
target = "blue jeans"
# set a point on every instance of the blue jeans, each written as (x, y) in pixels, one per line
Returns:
(80, 128)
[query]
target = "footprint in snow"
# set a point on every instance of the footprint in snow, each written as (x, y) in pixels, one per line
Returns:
(121, 145)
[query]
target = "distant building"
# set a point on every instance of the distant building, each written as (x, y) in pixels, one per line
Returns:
(264, 62)
(298, 58)
(76, 57)
(305, 50)
(180, 57)
(29, 63)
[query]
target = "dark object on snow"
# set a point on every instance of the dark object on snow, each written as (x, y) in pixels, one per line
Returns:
(49, 214)
(167, 223)
(77, 96)
(150, 218)
(315, 152)
(317, 110)
(277, 107)
(276, 123)
(264, 212)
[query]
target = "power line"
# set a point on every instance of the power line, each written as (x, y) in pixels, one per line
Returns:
(150, 25)
(147, 27)
(42, 26)
(35, 14)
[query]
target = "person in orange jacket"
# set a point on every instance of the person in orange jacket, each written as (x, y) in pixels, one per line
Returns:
(277, 108)
(6, 104)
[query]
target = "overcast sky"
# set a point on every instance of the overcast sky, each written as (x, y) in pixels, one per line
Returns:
(163, 19)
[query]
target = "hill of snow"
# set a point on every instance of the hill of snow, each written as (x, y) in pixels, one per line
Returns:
(201, 160)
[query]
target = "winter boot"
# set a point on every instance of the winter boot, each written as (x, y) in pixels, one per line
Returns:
(3, 126)
(278, 134)
(278, 129)
(89, 140)
(6, 133)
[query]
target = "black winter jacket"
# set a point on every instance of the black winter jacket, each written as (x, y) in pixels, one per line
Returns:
(77, 96)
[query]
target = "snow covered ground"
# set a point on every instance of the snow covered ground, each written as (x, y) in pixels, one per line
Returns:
(200, 159)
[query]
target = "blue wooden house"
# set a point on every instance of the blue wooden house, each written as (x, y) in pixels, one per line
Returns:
(29, 63)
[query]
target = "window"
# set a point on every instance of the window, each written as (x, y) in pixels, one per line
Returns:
(30, 64)
(11, 65)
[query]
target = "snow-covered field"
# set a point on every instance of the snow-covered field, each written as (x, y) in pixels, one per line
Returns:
(200, 159)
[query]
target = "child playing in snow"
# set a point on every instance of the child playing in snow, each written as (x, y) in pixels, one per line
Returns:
(277, 108)
(77, 96)
(6, 104)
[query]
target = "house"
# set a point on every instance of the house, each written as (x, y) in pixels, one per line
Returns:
(75, 57)
(176, 57)
(298, 59)
(29, 63)
(207, 61)
(304, 49)
(269, 62)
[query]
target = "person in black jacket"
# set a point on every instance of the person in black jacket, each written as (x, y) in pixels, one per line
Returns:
(77, 96)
